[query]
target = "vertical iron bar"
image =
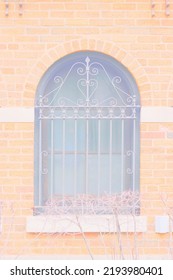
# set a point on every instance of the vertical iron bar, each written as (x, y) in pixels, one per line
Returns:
(134, 152)
(98, 187)
(63, 159)
(110, 158)
(122, 156)
(52, 159)
(75, 157)
(40, 162)
(87, 60)
(86, 152)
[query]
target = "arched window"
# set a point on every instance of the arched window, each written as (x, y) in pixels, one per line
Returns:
(87, 112)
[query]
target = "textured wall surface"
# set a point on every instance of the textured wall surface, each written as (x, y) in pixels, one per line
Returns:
(29, 44)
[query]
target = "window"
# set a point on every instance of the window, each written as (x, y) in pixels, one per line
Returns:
(87, 112)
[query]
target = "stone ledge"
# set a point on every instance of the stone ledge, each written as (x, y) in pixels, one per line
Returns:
(88, 223)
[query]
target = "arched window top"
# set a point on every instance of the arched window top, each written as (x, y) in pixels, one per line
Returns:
(87, 78)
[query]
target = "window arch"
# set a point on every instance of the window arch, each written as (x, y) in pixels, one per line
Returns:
(87, 116)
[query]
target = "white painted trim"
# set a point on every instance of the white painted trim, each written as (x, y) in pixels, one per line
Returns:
(88, 223)
(157, 114)
(18, 114)
(148, 114)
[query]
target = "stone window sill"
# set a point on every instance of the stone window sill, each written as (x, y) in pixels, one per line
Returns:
(86, 223)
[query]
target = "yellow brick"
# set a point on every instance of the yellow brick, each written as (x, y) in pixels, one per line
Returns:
(10, 181)
(9, 126)
(77, 22)
(86, 30)
(26, 38)
(64, 14)
(52, 22)
(8, 71)
(75, 6)
(20, 143)
(151, 181)
(22, 173)
(45, 5)
(24, 126)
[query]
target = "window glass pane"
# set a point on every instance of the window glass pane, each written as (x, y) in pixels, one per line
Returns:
(116, 174)
(81, 136)
(128, 134)
(105, 136)
(93, 136)
(46, 132)
(69, 135)
(69, 175)
(92, 174)
(116, 136)
(104, 174)
(58, 174)
(58, 131)
(81, 174)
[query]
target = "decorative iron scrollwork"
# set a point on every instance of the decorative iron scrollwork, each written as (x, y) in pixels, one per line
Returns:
(87, 85)
(44, 170)
(130, 154)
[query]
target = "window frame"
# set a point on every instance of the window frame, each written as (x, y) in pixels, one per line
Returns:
(125, 74)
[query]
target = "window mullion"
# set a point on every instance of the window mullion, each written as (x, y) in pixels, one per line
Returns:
(52, 160)
(98, 188)
(122, 155)
(40, 163)
(134, 152)
(110, 158)
(86, 157)
(63, 159)
(75, 157)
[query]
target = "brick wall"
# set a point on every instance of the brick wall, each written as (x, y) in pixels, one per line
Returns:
(29, 44)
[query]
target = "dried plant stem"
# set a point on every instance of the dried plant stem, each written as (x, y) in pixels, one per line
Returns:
(84, 238)
(118, 234)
